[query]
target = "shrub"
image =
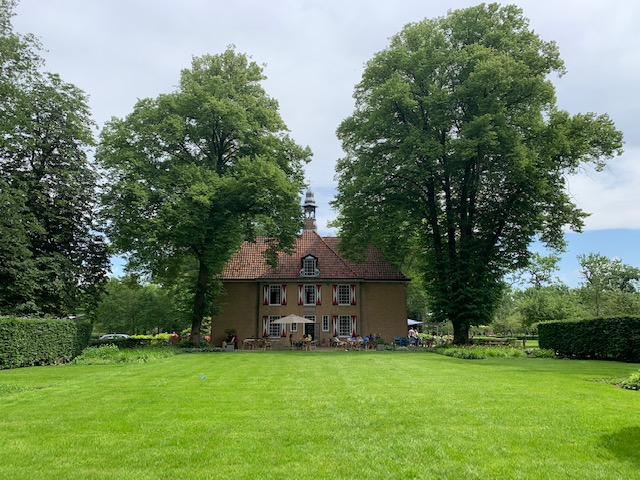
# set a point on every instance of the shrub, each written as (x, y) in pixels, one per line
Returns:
(477, 352)
(41, 341)
(604, 338)
(540, 353)
(131, 342)
(633, 382)
(111, 354)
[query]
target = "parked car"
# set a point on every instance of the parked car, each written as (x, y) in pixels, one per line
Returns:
(113, 336)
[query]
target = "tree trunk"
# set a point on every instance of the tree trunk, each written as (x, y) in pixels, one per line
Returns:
(199, 304)
(460, 332)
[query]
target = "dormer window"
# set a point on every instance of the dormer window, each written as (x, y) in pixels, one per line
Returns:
(309, 267)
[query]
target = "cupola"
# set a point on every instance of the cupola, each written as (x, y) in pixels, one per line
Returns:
(310, 211)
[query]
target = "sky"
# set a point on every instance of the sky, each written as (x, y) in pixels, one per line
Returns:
(314, 52)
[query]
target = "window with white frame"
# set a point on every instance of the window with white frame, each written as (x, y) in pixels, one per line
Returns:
(325, 323)
(344, 295)
(309, 295)
(309, 267)
(293, 327)
(275, 294)
(344, 325)
(275, 329)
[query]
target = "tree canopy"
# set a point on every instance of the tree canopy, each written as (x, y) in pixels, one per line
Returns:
(52, 260)
(456, 145)
(193, 173)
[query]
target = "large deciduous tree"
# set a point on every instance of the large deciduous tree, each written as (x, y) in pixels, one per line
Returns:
(456, 141)
(610, 287)
(127, 306)
(195, 172)
(52, 261)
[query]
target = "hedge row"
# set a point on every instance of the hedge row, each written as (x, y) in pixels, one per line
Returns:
(604, 338)
(28, 342)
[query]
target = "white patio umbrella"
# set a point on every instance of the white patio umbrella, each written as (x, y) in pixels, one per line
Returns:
(289, 319)
(413, 322)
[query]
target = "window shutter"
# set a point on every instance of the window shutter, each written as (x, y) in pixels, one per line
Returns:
(284, 295)
(354, 327)
(300, 290)
(265, 294)
(335, 325)
(353, 294)
(318, 294)
(265, 319)
(334, 289)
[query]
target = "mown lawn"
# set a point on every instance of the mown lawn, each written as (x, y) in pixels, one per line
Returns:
(279, 415)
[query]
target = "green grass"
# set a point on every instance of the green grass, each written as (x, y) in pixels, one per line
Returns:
(320, 415)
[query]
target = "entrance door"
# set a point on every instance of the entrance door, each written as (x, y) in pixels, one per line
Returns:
(310, 328)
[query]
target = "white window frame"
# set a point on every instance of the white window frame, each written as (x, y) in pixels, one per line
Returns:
(344, 299)
(273, 289)
(293, 328)
(271, 325)
(309, 267)
(344, 325)
(325, 323)
(312, 290)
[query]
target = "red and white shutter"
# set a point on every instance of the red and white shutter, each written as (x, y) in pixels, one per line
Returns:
(284, 294)
(283, 333)
(334, 289)
(353, 294)
(300, 294)
(318, 294)
(265, 319)
(265, 294)
(354, 327)
(335, 325)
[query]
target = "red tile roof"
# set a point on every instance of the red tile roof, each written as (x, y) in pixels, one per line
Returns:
(249, 262)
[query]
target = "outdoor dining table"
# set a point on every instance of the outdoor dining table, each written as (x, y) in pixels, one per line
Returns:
(255, 343)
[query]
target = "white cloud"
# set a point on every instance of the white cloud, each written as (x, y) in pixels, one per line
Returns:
(612, 196)
(315, 51)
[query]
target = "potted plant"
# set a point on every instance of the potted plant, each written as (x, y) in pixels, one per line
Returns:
(380, 346)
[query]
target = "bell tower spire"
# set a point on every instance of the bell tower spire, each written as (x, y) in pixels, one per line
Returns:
(310, 211)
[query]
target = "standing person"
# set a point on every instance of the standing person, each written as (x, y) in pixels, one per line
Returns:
(235, 341)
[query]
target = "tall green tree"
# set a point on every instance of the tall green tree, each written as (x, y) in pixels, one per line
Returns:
(195, 172)
(456, 141)
(18, 273)
(127, 306)
(609, 287)
(46, 176)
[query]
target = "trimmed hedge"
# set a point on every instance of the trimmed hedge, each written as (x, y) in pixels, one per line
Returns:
(603, 338)
(28, 342)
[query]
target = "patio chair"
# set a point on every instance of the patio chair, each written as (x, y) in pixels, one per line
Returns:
(336, 342)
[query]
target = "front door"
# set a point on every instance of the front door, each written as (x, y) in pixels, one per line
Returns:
(310, 328)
